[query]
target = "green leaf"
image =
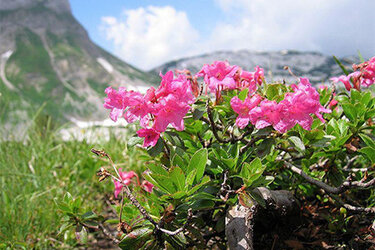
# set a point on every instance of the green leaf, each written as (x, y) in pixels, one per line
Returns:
(174, 139)
(366, 98)
(369, 113)
(204, 181)
(369, 152)
(205, 196)
(177, 176)
(157, 149)
(178, 161)
(243, 94)
(368, 140)
(190, 179)
(161, 181)
(256, 195)
(82, 235)
(251, 172)
(157, 169)
(68, 198)
(297, 143)
(360, 57)
(134, 141)
(350, 112)
(198, 113)
(64, 227)
(246, 200)
(202, 204)
(272, 91)
(63, 206)
(135, 239)
(198, 162)
(264, 148)
(89, 215)
(355, 95)
(178, 195)
(341, 65)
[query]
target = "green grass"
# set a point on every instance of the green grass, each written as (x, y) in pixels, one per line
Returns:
(43, 167)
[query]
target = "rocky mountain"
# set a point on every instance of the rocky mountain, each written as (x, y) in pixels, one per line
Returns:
(46, 56)
(316, 66)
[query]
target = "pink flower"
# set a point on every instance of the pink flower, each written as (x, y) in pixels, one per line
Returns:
(251, 79)
(243, 108)
(156, 109)
(303, 102)
(179, 87)
(170, 110)
(126, 178)
(151, 136)
(268, 113)
(115, 101)
(148, 186)
(344, 79)
(333, 102)
(219, 74)
(296, 107)
(366, 75)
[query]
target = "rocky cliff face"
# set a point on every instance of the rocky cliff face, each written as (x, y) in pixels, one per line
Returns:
(46, 56)
(316, 66)
(55, 5)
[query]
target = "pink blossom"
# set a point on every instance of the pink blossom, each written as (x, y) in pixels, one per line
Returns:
(151, 136)
(268, 113)
(156, 109)
(219, 74)
(242, 108)
(148, 186)
(251, 79)
(344, 79)
(303, 102)
(333, 102)
(366, 74)
(296, 108)
(126, 179)
(115, 101)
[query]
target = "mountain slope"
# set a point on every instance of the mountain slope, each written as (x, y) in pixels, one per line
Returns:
(316, 66)
(47, 57)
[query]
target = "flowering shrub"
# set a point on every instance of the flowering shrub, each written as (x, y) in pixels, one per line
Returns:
(225, 138)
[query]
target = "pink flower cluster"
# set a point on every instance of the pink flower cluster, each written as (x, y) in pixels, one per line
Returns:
(126, 178)
(364, 75)
(222, 76)
(156, 109)
(296, 108)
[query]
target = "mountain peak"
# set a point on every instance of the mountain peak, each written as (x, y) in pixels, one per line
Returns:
(59, 6)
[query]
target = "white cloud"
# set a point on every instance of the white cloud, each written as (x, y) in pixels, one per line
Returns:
(147, 37)
(334, 27)
(150, 36)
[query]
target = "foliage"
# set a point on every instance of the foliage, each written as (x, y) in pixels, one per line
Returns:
(40, 168)
(245, 134)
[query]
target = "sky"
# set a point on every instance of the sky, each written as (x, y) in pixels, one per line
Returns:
(149, 33)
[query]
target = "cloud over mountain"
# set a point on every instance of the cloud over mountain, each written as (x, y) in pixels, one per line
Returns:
(152, 35)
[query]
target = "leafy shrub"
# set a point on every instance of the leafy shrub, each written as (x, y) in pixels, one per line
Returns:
(225, 141)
